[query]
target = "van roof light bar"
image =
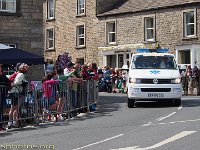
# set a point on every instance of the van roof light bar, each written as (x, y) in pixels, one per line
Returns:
(147, 50)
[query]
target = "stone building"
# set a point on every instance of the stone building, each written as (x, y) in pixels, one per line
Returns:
(108, 31)
(135, 23)
(70, 26)
(21, 26)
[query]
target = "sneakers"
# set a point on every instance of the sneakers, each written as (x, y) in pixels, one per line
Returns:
(9, 125)
(13, 125)
(60, 118)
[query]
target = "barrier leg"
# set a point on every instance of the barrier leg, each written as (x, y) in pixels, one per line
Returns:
(88, 103)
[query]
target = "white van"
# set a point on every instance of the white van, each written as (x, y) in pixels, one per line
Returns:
(153, 76)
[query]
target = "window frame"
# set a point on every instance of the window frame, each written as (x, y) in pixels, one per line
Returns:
(80, 36)
(48, 39)
(185, 30)
(108, 32)
(151, 28)
(49, 10)
(82, 8)
(9, 11)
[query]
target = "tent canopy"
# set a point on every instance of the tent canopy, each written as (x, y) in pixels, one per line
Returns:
(10, 55)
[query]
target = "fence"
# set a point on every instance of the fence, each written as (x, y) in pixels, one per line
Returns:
(47, 102)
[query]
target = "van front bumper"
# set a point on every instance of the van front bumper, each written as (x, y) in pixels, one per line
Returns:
(154, 91)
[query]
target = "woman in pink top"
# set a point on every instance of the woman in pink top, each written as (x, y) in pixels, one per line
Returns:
(50, 89)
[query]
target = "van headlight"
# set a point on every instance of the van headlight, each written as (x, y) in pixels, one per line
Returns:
(176, 81)
(134, 80)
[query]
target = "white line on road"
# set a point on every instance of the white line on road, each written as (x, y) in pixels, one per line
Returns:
(180, 108)
(162, 118)
(147, 124)
(184, 121)
(99, 142)
(169, 140)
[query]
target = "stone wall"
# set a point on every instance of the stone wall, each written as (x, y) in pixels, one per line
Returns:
(25, 30)
(130, 28)
(65, 23)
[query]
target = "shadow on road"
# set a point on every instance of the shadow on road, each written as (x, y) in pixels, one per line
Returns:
(153, 104)
(107, 103)
(191, 103)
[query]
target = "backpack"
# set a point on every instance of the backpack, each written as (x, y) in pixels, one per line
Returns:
(13, 76)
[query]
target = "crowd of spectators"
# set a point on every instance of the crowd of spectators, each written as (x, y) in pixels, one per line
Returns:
(190, 79)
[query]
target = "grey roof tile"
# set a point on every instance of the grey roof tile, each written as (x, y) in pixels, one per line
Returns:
(143, 5)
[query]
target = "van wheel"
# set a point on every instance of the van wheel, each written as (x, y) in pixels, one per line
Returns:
(131, 103)
(177, 102)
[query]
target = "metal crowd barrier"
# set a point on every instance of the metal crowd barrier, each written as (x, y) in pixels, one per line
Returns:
(62, 98)
(5, 104)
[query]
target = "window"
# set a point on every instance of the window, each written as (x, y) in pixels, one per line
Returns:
(149, 29)
(9, 70)
(111, 60)
(153, 62)
(80, 36)
(50, 38)
(80, 7)
(189, 23)
(50, 9)
(8, 6)
(120, 60)
(184, 57)
(111, 32)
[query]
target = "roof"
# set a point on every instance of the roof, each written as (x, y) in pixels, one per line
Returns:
(129, 6)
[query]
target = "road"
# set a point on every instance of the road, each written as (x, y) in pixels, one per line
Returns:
(114, 126)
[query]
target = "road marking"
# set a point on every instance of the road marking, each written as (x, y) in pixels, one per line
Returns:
(144, 125)
(162, 118)
(180, 108)
(169, 140)
(184, 121)
(108, 139)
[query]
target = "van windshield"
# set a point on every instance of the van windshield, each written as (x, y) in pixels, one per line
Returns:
(153, 62)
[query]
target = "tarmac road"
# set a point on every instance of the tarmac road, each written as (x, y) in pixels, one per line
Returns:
(152, 125)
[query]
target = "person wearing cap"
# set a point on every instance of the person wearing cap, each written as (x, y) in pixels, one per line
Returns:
(15, 93)
(4, 86)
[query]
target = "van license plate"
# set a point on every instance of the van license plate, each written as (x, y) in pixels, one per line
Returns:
(155, 95)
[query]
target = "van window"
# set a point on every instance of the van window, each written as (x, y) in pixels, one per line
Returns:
(153, 62)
